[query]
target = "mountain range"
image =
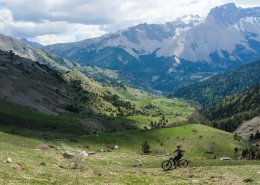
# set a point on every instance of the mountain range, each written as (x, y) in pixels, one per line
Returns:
(163, 57)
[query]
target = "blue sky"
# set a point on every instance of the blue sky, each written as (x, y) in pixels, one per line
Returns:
(55, 21)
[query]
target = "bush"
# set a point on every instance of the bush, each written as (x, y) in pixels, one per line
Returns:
(236, 137)
(257, 135)
(236, 150)
(51, 146)
(111, 146)
(146, 148)
(251, 137)
(161, 144)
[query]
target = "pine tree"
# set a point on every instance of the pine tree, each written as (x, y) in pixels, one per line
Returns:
(146, 147)
(236, 151)
(252, 154)
(257, 135)
(258, 155)
(251, 137)
(245, 152)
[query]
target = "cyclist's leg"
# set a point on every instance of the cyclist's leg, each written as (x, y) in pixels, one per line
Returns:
(177, 159)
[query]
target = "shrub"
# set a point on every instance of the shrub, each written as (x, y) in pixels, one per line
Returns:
(257, 135)
(236, 150)
(258, 155)
(251, 137)
(111, 146)
(146, 147)
(161, 144)
(51, 146)
(236, 137)
(245, 152)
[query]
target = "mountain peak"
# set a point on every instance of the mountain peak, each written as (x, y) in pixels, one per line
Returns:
(224, 8)
(229, 6)
(229, 14)
(226, 14)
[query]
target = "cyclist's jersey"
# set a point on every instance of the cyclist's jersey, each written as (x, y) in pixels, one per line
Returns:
(179, 152)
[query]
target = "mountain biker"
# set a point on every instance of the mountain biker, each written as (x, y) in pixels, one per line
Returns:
(179, 152)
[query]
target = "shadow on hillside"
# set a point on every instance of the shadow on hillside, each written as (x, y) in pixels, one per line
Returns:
(57, 129)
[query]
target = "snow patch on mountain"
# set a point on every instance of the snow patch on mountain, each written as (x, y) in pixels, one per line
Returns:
(212, 36)
(226, 32)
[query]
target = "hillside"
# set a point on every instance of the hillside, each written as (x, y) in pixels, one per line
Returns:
(38, 161)
(231, 111)
(104, 107)
(219, 86)
(35, 85)
(32, 84)
(26, 51)
(163, 57)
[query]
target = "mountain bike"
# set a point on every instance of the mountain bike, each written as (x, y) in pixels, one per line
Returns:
(171, 164)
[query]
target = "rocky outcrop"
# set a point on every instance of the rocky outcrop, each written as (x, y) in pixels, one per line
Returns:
(248, 127)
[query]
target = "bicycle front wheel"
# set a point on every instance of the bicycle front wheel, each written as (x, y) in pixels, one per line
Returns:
(166, 165)
(183, 163)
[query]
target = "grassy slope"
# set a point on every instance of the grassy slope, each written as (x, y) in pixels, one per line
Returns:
(173, 109)
(115, 166)
(169, 137)
(25, 120)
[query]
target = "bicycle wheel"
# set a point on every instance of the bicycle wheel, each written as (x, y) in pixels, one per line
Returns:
(183, 163)
(166, 165)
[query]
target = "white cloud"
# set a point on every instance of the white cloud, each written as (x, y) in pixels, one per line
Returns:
(76, 32)
(52, 21)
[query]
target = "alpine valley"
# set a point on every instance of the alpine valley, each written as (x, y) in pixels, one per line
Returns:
(112, 109)
(163, 57)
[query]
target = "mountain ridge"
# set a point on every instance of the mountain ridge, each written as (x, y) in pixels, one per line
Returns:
(219, 86)
(229, 112)
(186, 50)
(24, 50)
(33, 44)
